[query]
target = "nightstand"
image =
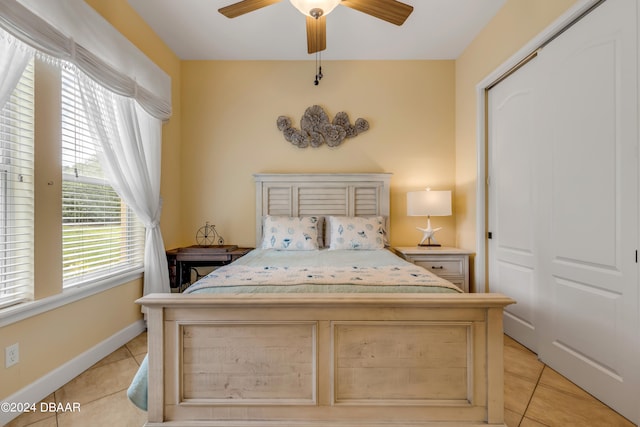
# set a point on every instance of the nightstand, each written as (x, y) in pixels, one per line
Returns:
(449, 263)
(182, 260)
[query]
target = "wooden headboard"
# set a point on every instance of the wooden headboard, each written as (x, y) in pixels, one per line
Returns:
(351, 194)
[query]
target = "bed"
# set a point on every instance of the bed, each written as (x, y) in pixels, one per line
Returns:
(267, 341)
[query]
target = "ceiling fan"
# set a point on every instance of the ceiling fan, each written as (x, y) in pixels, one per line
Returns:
(391, 11)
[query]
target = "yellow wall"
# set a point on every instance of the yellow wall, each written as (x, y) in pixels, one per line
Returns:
(229, 133)
(51, 339)
(513, 26)
(122, 16)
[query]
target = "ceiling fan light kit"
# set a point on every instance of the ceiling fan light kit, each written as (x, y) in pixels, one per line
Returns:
(316, 11)
(311, 7)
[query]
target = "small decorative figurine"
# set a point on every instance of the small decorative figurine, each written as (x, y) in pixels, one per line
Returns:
(208, 236)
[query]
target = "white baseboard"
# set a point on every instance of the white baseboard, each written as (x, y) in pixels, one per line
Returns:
(55, 379)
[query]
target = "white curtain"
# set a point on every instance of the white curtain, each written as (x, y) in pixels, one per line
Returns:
(81, 36)
(131, 151)
(14, 57)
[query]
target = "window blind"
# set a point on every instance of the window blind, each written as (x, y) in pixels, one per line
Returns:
(101, 235)
(16, 193)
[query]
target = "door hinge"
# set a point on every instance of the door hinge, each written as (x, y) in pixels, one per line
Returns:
(636, 256)
(490, 236)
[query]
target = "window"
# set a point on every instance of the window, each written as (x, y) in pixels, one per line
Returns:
(101, 235)
(16, 193)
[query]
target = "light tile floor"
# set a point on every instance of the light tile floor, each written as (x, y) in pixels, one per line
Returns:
(101, 391)
(535, 395)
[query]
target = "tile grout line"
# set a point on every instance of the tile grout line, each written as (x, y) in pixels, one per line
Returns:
(532, 394)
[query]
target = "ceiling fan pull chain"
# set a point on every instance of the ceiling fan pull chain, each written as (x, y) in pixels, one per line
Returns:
(318, 53)
(319, 75)
(317, 80)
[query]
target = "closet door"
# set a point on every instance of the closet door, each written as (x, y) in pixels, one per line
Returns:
(588, 300)
(512, 253)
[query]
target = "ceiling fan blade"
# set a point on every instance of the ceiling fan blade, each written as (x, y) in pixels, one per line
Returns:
(316, 34)
(388, 10)
(245, 6)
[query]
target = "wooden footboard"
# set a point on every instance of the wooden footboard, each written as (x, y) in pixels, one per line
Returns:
(319, 360)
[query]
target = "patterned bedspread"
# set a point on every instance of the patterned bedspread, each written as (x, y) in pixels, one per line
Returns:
(321, 271)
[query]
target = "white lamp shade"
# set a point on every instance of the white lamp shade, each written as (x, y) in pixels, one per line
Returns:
(305, 6)
(429, 203)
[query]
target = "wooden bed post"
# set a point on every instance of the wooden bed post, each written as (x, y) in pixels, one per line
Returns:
(495, 368)
(155, 356)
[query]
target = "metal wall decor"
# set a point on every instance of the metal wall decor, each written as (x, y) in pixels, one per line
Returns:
(316, 129)
(208, 236)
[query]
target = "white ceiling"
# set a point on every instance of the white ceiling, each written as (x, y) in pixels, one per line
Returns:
(195, 30)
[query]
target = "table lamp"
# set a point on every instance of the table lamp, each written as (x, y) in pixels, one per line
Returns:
(428, 203)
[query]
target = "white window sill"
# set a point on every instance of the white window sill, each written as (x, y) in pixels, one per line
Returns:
(25, 310)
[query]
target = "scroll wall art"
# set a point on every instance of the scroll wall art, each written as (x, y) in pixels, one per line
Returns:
(316, 129)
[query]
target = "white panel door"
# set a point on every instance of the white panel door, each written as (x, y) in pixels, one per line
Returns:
(588, 305)
(511, 250)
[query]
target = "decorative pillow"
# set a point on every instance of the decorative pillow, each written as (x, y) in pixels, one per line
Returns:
(356, 232)
(290, 233)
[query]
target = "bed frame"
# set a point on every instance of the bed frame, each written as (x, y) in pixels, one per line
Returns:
(325, 359)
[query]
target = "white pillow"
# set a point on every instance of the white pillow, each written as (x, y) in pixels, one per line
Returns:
(290, 233)
(356, 232)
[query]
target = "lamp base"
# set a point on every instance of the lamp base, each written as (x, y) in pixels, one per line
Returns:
(428, 234)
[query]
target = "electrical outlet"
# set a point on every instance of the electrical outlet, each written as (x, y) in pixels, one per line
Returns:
(11, 355)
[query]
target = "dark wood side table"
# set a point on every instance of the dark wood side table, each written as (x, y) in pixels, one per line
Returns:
(182, 260)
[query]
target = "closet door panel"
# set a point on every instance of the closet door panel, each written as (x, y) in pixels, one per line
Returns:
(588, 338)
(589, 197)
(586, 155)
(512, 251)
